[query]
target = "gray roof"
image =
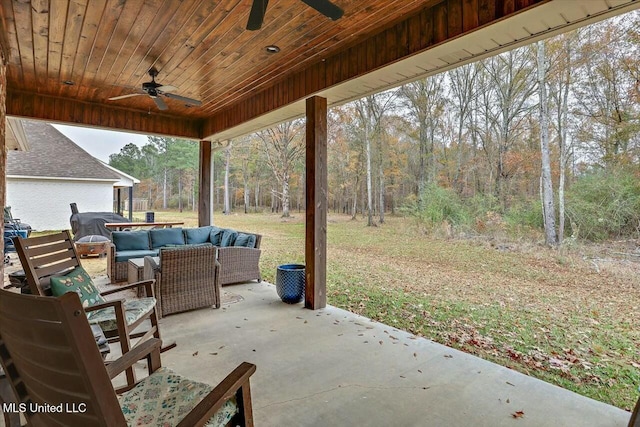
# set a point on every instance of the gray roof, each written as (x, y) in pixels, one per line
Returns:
(52, 154)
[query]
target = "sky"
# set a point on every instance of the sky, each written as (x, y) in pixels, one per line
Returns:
(100, 143)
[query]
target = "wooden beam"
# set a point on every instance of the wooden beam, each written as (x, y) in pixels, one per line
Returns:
(66, 110)
(204, 184)
(316, 204)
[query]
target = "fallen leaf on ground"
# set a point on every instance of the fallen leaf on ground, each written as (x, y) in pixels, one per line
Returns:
(518, 414)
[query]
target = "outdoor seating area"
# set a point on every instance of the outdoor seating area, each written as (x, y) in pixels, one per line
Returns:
(332, 367)
(238, 253)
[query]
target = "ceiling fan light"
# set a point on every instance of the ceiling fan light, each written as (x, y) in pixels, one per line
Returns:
(272, 48)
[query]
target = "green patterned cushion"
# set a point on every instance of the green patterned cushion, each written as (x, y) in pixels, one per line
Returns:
(164, 398)
(134, 309)
(79, 281)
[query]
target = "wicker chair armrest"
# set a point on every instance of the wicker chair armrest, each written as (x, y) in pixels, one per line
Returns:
(230, 251)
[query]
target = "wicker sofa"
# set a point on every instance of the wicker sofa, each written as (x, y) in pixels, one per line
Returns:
(238, 252)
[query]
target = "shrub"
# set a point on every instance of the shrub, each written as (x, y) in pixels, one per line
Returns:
(438, 205)
(526, 213)
(603, 205)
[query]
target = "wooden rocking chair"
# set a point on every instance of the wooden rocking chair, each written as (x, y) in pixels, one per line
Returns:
(55, 255)
(55, 369)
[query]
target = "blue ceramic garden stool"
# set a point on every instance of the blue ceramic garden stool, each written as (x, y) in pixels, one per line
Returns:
(290, 279)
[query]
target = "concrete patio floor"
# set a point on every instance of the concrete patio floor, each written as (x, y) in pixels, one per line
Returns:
(334, 368)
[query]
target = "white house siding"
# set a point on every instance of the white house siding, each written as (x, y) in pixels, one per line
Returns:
(44, 203)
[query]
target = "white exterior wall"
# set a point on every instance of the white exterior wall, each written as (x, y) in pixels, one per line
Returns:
(44, 203)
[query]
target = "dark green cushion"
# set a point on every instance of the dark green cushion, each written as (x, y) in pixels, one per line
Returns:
(215, 237)
(197, 235)
(166, 236)
(246, 240)
(77, 281)
(122, 256)
(228, 237)
(130, 240)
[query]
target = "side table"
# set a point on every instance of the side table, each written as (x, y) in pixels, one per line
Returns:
(135, 271)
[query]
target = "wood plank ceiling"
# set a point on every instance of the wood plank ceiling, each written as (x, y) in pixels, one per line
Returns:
(66, 58)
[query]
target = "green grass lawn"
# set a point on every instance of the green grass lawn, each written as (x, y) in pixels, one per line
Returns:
(561, 317)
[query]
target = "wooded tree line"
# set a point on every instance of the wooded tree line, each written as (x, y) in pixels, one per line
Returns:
(514, 137)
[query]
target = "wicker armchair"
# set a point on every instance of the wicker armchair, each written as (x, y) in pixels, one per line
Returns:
(240, 264)
(186, 278)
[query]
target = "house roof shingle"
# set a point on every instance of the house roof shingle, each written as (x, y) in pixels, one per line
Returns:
(52, 154)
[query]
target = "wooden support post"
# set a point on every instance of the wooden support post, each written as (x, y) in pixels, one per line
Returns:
(316, 204)
(3, 141)
(205, 206)
(131, 203)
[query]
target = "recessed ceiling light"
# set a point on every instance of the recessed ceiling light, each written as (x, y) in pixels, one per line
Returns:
(272, 48)
(68, 82)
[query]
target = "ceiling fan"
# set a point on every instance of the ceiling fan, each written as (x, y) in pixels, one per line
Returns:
(259, 7)
(155, 90)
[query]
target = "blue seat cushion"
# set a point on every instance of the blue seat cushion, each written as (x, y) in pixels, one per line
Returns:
(228, 237)
(246, 240)
(197, 235)
(166, 236)
(122, 256)
(130, 240)
(215, 236)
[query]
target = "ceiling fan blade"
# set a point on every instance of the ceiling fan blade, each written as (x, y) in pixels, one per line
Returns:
(167, 88)
(159, 103)
(115, 98)
(326, 8)
(184, 99)
(256, 16)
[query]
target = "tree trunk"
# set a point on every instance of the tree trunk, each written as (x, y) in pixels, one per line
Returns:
(164, 190)
(256, 196)
(563, 142)
(381, 191)
(285, 198)
(227, 168)
(369, 184)
(548, 208)
(180, 207)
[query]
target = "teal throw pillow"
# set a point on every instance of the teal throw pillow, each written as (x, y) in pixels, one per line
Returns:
(130, 240)
(215, 236)
(161, 237)
(79, 281)
(246, 240)
(197, 235)
(228, 237)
